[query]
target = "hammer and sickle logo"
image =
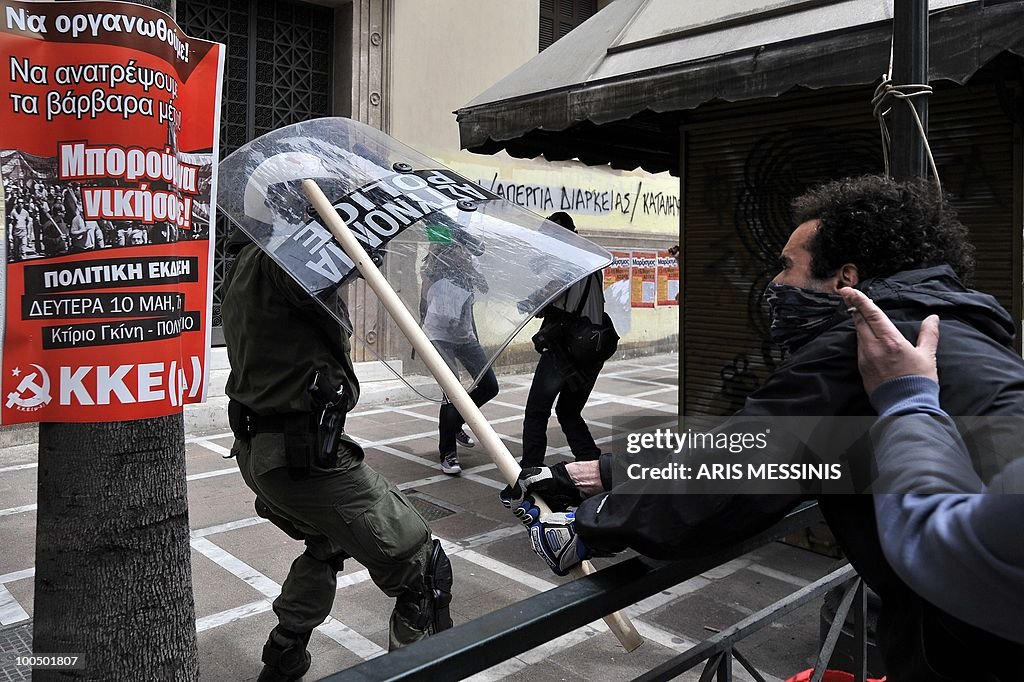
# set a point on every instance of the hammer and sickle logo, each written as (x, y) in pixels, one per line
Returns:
(33, 391)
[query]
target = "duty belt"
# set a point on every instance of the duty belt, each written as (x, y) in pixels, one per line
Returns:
(277, 423)
(244, 422)
(308, 441)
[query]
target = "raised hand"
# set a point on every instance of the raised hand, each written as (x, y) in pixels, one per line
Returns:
(883, 353)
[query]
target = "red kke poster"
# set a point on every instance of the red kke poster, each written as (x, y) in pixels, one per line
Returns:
(108, 150)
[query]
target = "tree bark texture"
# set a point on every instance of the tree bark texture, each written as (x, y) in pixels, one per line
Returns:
(113, 570)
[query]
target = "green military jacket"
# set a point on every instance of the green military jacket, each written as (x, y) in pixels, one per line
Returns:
(277, 336)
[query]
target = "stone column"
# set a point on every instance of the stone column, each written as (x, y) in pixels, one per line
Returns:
(370, 93)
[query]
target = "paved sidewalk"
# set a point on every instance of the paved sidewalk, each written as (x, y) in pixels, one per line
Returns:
(239, 560)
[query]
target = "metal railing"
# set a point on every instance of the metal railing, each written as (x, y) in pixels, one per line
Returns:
(486, 641)
(720, 651)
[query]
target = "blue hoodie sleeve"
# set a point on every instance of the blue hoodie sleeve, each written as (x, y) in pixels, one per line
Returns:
(916, 445)
(957, 549)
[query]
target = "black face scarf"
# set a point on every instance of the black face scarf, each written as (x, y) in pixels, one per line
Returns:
(799, 315)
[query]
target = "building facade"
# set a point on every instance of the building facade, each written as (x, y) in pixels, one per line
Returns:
(750, 104)
(404, 66)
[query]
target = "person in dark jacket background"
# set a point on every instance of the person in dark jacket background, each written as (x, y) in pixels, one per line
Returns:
(903, 246)
(560, 377)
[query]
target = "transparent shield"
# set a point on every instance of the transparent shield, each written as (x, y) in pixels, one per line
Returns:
(473, 268)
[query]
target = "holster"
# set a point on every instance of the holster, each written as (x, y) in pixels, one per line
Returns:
(238, 419)
(330, 420)
(567, 368)
(331, 426)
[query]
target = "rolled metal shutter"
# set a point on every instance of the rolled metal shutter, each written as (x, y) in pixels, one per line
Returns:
(743, 165)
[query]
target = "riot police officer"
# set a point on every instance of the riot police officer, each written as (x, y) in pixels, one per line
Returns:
(291, 385)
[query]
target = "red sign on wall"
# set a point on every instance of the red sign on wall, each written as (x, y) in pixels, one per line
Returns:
(668, 279)
(108, 148)
(645, 281)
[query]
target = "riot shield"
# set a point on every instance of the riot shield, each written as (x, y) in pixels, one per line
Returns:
(471, 266)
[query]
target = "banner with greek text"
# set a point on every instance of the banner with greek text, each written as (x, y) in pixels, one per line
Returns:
(108, 158)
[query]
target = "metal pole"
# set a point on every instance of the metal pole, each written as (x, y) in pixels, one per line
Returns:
(909, 67)
(860, 633)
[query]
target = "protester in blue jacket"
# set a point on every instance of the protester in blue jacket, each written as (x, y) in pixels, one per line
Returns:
(952, 538)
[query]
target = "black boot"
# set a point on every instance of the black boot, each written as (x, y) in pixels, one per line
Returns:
(284, 656)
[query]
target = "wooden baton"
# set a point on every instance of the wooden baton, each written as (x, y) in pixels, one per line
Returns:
(617, 622)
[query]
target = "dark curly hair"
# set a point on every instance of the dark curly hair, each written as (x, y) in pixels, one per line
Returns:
(883, 227)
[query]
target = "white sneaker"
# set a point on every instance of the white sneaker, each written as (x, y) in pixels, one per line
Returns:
(450, 464)
(464, 439)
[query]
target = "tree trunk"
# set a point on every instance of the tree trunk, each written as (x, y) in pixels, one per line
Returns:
(113, 570)
(113, 565)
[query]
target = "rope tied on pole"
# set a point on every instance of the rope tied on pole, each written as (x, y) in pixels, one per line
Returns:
(886, 94)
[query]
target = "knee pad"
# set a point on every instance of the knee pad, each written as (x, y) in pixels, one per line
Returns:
(285, 656)
(429, 608)
(439, 585)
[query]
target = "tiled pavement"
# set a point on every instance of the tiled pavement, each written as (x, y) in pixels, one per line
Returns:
(239, 561)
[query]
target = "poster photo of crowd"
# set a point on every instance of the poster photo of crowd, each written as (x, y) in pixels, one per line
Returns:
(47, 217)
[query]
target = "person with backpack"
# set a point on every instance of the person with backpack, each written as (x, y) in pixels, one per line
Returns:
(564, 379)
